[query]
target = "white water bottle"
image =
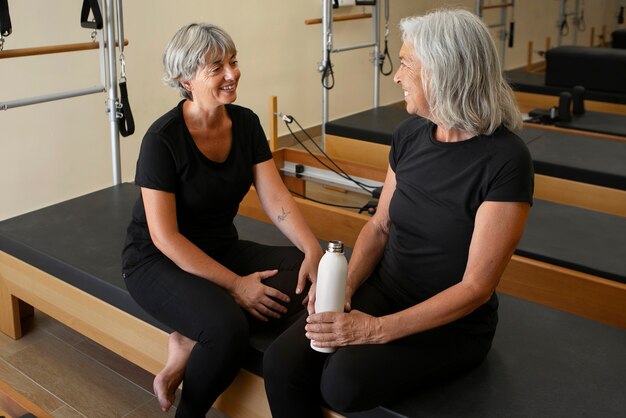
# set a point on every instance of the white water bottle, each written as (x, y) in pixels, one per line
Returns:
(330, 292)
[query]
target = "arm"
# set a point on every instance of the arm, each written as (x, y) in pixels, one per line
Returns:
(247, 291)
(285, 214)
(370, 244)
(498, 229)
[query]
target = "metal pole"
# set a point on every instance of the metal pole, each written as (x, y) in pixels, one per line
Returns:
(327, 21)
(112, 87)
(576, 21)
(503, 30)
(50, 97)
(376, 36)
(563, 15)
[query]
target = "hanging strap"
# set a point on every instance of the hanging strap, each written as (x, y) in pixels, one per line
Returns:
(125, 115)
(385, 54)
(5, 21)
(512, 25)
(93, 7)
(126, 121)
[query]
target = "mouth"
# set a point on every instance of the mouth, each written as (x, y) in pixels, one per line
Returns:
(406, 93)
(228, 88)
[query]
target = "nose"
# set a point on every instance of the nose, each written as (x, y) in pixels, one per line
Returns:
(231, 72)
(396, 78)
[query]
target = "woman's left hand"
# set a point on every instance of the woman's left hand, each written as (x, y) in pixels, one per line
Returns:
(308, 270)
(332, 329)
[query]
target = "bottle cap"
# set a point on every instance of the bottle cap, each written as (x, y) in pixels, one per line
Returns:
(335, 247)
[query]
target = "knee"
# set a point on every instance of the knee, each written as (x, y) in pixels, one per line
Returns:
(228, 335)
(343, 391)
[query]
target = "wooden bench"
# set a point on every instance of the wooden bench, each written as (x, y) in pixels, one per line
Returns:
(65, 261)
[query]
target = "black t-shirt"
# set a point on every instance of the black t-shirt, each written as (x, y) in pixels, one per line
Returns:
(439, 189)
(208, 193)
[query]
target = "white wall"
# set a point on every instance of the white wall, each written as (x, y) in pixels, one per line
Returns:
(55, 151)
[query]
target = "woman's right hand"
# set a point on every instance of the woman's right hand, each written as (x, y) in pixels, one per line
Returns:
(263, 302)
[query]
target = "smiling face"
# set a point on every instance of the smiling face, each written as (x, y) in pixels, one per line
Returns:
(215, 83)
(409, 77)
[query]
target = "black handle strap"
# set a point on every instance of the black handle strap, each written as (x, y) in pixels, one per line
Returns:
(126, 121)
(94, 7)
(5, 18)
(385, 56)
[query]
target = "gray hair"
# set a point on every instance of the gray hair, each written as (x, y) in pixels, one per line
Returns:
(461, 73)
(188, 49)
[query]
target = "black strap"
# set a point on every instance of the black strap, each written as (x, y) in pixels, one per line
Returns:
(382, 61)
(126, 121)
(511, 34)
(5, 18)
(94, 7)
(328, 75)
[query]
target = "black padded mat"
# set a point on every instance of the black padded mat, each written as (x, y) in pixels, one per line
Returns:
(521, 80)
(543, 363)
(373, 125)
(79, 241)
(599, 122)
(577, 157)
(575, 238)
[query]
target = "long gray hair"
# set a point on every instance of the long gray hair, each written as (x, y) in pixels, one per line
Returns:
(461, 73)
(188, 49)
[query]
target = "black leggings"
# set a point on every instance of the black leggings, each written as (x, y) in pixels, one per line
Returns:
(206, 313)
(356, 378)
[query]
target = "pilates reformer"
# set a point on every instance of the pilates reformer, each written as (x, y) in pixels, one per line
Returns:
(571, 114)
(60, 261)
(103, 26)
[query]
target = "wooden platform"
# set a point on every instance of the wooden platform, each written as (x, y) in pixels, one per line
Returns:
(14, 404)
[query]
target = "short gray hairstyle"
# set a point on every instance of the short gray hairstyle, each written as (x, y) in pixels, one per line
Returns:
(188, 49)
(461, 73)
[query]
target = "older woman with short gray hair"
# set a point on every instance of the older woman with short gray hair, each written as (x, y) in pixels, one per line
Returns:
(420, 302)
(183, 261)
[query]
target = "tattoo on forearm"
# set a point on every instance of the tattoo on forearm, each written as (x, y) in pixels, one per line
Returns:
(283, 215)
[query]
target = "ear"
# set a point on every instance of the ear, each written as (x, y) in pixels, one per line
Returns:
(186, 85)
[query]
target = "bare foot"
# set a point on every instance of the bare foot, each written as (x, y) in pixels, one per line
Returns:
(167, 381)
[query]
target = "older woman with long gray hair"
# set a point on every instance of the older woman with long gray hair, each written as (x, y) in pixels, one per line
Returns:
(421, 303)
(183, 261)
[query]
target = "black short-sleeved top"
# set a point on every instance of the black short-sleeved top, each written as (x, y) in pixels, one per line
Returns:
(208, 193)
(432, 211)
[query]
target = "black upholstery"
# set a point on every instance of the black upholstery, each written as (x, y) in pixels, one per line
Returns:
(575, 238)
(618, 38)
(598, 122)
(543, 362)
(600, 69)
(373, 125)
(534, 82)
(576, 157)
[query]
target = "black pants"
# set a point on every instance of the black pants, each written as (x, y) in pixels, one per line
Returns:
(356, 378)
(206, 313)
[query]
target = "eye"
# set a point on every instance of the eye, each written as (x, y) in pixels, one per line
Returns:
(215, 69)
